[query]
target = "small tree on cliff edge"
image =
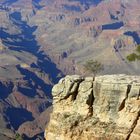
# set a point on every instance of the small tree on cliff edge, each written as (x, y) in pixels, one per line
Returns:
(93, 67)
(18, 137)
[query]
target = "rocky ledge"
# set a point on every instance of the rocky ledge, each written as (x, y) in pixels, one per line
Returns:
(104, 108)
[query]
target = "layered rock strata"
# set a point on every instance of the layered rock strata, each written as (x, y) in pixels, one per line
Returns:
(104, 108)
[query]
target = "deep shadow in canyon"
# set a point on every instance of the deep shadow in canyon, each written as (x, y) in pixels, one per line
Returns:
(25, 41)
(113, 26)
(134, 35)
(5, 89)
(9, 2)
(17, 116)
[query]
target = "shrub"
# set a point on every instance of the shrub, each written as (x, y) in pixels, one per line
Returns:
(138, 57)
(131, 57)
(93, 66)
(138, 49)
(18, 137)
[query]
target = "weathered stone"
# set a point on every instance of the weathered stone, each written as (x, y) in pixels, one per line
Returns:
(85, 86)
(66, 87)
(105, 108)
(57, 89)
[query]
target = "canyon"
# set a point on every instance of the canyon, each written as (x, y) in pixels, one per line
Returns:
(41, 41)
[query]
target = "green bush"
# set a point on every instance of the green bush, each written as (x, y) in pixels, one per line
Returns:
(18, 137)
(138, 49)
(132, 57)
(138, 57)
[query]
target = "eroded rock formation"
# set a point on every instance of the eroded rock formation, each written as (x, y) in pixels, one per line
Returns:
(105, 108)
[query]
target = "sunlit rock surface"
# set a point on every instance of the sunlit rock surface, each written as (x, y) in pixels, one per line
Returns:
(105, 108)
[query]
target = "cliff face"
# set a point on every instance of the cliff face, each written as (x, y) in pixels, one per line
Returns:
(105, 108)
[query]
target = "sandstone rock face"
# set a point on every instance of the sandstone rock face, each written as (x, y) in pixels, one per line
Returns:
(102, 108)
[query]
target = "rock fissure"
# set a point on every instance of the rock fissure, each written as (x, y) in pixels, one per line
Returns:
(68, 92)
(122, 105)
(128, 90)
(90, 102)
(133, 126)
(74, 92)
(138, 95)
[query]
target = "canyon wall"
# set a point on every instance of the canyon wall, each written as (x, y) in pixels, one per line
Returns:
(102, 108)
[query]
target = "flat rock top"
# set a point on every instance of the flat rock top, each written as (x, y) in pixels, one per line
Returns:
(119, 78)
(111, 79)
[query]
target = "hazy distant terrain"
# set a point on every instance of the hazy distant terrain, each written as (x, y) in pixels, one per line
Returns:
(42, 40)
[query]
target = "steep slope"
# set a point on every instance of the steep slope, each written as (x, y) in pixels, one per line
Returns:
(26, 76)
(74, 32)
(71, 32)
(107, 108)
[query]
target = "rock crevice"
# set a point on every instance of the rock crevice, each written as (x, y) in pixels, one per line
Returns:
(122, 105)
(133, 126)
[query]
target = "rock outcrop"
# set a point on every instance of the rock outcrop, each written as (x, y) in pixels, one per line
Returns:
(104, 108)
